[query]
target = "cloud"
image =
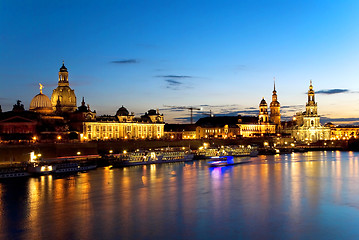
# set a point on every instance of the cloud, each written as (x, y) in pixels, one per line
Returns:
(340, 121)
(125, 61)
(173, 84)
(174, 76)
(332, 91)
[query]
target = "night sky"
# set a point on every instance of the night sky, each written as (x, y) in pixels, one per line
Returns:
(215, 55)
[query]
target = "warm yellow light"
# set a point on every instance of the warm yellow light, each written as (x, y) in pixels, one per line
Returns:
(124, 151)
(125, 137)
(110, 151)
(59, 137)
(39, 155)
(34, 138)
(78, 153)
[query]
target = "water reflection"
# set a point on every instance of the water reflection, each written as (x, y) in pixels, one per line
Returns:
(293, 196)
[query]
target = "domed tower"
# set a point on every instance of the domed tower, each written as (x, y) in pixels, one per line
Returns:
(41, 103)
(263, 112)
(63, 93)
(275, 108)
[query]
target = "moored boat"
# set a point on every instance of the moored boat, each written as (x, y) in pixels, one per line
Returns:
(40, 169)
(72, 167)
(13, 172)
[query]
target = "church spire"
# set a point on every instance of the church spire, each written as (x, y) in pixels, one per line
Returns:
(311, 99)
(274, 85)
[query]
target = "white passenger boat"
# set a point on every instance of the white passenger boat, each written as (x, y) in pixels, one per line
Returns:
(174, 156)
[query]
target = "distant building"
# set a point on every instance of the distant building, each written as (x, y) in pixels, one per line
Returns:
(343, 132)
(233, 127)
(217, 127)
(308, 127)
(180, 131)
(125, 126)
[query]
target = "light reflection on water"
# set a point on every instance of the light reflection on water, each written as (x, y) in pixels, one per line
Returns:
(313, 195)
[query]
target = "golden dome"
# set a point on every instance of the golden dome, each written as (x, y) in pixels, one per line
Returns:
(41, 103)
(67, 98)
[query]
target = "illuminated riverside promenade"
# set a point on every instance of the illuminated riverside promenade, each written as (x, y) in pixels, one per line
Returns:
(311, 195)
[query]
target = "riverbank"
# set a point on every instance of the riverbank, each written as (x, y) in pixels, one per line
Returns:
(16, 153)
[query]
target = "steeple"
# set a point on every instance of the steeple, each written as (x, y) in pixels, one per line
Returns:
(311, 106)
(275, 107)
(274, 96)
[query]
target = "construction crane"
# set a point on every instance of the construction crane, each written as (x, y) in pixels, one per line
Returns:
(184, 107)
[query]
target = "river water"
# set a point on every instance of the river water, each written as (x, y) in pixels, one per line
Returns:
(313, 195)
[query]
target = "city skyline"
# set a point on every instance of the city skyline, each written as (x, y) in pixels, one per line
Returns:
(215, 56)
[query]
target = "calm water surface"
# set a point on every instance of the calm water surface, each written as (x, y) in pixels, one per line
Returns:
(312, 195)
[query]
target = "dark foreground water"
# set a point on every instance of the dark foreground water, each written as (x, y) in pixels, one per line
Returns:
(314, 195)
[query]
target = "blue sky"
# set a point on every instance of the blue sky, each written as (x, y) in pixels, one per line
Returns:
(218, 55)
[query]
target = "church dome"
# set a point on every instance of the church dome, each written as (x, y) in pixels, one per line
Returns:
(122, 111)
(67, 98)
(41, 103)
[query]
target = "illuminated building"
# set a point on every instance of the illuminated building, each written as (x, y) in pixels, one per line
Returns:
(308, 127)
(125, 126)
(217, 127)
(263, 112)
(264, 127)
(41, 103)
(18, 124)
(180, 131)
(233, 127)
(275, 109)
(63, 98)
(343, 132)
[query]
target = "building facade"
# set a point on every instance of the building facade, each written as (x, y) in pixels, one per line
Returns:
(308, 127)
(125, 126)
